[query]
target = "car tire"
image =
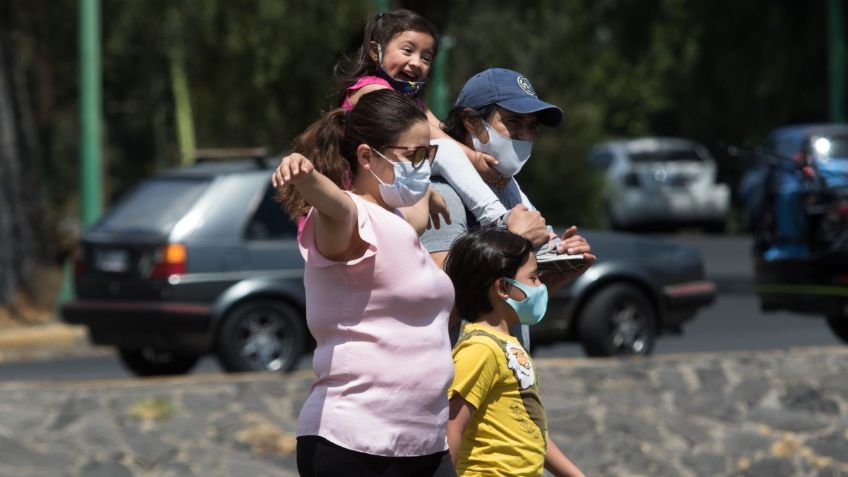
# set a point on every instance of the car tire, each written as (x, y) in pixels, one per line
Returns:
(261, 335)
(839, 326)
(154, 362)
(618, 320)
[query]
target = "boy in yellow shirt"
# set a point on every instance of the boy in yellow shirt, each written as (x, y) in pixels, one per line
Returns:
(497, 423)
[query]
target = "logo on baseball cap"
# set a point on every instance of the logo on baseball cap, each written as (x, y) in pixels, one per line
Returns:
(509, 90)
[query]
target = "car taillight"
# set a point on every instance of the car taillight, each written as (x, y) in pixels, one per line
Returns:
(170, 260)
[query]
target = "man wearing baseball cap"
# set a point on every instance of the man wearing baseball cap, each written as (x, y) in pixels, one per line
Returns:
(498, 112)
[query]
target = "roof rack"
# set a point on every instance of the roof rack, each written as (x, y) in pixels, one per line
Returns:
(258, 154)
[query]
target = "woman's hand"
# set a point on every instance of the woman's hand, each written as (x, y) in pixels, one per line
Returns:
(438, 207)
(292, 169)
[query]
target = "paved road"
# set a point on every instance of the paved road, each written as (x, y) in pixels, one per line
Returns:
(733, 323)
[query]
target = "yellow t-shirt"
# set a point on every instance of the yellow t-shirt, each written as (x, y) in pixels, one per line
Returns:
(506, 436)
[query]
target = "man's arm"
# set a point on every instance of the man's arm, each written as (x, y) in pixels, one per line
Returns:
(529, 224)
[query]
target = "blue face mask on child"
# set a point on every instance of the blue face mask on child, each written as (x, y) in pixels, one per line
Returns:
(413, 89)
(532, 308)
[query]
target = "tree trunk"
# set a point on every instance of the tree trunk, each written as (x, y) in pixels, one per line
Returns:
(21, 243)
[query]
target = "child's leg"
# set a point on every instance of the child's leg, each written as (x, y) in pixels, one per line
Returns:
(452, 164)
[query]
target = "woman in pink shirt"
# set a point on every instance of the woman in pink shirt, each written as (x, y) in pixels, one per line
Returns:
(376, 303)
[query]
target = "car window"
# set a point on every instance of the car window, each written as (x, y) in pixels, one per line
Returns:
(666, 155)
(155, 205)
(270, 221)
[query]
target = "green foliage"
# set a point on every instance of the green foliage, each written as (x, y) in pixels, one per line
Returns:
(711, 71)
(259, 71)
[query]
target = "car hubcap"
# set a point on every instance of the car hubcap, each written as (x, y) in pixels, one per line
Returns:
(264, 341)
(628, 333)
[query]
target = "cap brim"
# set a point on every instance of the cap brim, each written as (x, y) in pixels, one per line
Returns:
(548, 114)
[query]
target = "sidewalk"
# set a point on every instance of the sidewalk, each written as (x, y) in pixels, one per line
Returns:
(768, 414)
(43, 341)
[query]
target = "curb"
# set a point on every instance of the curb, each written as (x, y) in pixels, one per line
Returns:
(27, 342)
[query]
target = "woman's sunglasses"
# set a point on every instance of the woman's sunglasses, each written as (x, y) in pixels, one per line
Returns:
(419, 153)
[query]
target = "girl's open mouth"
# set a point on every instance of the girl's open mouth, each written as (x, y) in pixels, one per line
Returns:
(407, 76)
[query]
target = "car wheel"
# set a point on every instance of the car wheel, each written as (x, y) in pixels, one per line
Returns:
(154, 362)
(261, 335)
(618, 320)
(839, 326)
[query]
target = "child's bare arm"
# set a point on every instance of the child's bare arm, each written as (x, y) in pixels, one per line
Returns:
(461, 412)
(558, 464)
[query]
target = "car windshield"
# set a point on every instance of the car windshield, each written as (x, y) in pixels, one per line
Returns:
(155, 205)
(665, 155)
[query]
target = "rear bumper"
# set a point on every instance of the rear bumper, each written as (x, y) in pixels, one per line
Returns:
(683, 300)
(671, 206)
(130, 323)
(815, 284)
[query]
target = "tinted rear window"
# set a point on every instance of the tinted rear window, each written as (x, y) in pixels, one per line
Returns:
(155, 205)
(665, 155)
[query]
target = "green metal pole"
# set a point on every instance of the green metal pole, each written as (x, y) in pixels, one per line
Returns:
(440, 102)
(179, 87)
(182, 106)
(381, 5)
(836, 61)
(91, 161)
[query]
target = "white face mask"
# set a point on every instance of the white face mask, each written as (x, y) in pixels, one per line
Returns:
(410, 184)
(511, 154)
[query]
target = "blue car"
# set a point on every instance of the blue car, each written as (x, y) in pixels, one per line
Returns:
(795, 203)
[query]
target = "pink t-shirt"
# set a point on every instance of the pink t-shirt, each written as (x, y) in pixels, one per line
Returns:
(365, 81)
(383, 358)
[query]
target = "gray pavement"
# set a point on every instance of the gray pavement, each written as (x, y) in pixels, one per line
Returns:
(736, 414)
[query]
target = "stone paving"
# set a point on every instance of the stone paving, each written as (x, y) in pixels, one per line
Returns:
(760, 414)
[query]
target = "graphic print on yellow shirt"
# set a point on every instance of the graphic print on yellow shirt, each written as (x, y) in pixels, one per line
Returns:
(507, 434)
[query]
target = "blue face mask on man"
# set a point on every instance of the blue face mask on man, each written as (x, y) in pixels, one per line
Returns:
(532, 308)
(413, 89)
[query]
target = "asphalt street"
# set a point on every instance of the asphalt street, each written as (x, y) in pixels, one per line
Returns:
(732, 323)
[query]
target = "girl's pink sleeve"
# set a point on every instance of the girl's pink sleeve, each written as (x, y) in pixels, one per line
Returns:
(359, 84)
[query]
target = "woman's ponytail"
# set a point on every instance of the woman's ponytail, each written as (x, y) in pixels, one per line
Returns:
(321, 143)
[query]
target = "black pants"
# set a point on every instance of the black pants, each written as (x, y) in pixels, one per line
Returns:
(318, 457)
